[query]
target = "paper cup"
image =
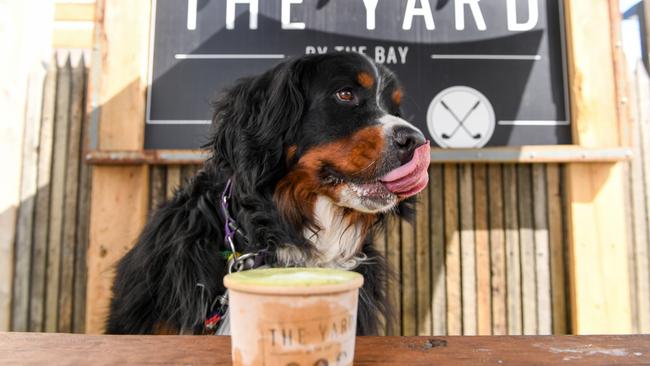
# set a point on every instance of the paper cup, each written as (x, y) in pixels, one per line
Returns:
(293, 316)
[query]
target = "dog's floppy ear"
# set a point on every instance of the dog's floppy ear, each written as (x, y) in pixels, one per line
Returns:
(253, 121)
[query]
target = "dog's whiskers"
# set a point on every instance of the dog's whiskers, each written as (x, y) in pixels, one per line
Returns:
(374, 162)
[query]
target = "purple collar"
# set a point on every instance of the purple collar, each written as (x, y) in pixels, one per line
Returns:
(238, 262)
(230, 228)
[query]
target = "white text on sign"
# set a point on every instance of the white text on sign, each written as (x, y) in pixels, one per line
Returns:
(381, 54)
(414, 9)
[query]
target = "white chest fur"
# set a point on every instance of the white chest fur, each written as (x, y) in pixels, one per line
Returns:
(338, 241)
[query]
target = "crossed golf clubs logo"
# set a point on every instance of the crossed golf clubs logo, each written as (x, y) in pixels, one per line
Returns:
(461, 117)
(461, 122)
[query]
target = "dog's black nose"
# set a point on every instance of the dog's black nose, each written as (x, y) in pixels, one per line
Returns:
(405, 140)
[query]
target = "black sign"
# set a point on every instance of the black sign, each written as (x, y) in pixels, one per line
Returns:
(476, 72)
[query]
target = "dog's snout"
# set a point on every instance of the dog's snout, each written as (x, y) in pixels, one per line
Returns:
(405, 141)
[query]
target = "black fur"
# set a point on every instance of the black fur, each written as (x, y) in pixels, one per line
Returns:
(175, 270)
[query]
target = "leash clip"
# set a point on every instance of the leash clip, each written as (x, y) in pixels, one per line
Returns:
(242, 262)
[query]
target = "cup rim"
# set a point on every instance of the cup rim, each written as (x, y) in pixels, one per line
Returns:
(355, 282)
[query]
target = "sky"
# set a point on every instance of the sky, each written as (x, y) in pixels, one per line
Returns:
(630, 36)
(625, 4)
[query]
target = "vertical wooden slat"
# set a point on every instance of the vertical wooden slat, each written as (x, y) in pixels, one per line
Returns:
(542, 255)
(117, 103)
(438, 270)
(394, 324)
(453, 253)
(409, 281)
(513, 260)
(103, 254)
(557, 248)
(423, 264)
(600, 290)
(598, 263)
(174, 180)
(636, 226)
(482, 237)
(57, 199)
(468, 250)
(28, 189)
(497, 251)
(527, 245)
(641, 192)
(157, 189)
(42, 210)
(69, 234)
(380, 241)
(83, 222)
(83, 232)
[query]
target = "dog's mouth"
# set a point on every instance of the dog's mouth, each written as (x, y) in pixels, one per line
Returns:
(412, 177)
(402, 182)
(371, 190)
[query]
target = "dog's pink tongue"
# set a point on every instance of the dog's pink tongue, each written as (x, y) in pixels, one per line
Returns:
(412, 177)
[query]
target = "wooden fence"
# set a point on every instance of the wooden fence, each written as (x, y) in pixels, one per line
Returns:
(49, 277)
(486, 254)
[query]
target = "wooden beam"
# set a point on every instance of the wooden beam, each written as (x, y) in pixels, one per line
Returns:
(117, 103)
(598, 267)
(73, 35)
(111, 235)
(122, 41)
(600, 291)
(490, 155)
(74, 11)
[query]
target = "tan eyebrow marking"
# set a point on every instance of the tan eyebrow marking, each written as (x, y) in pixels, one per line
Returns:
(365, 80)
(397, 96)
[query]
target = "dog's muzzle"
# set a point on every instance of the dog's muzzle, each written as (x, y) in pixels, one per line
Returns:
(414, 154)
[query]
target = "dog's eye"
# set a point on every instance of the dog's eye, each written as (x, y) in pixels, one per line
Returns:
(345, 95)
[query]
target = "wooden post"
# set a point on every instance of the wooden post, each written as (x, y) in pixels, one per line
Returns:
(117, 105)
(598, 266)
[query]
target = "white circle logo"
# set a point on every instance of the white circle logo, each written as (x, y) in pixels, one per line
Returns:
(461, 117)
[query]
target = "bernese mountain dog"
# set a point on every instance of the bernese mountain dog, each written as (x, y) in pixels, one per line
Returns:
(306, 162)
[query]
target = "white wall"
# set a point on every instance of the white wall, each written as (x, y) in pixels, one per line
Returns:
(25, 46)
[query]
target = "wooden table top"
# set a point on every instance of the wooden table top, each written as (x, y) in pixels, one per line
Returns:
(74, 349)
